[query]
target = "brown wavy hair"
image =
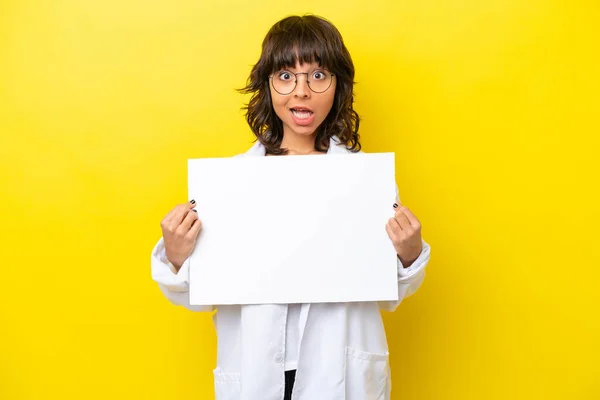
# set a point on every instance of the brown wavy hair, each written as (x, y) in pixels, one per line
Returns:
(304, 39)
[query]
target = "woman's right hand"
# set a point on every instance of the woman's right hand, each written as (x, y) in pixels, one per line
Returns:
(180, 229)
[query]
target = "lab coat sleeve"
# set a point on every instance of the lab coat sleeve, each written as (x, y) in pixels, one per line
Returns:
(409, 279)
(172, 283)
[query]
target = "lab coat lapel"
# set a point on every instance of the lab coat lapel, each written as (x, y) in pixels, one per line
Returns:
(257, 149)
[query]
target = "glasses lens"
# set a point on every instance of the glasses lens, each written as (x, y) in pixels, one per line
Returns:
(319, 81)
(284, 82)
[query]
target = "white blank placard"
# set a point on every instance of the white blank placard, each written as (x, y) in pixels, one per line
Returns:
(293, 229)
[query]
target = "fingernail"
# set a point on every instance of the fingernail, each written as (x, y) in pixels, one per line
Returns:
(194, 210)
(193, 201)
(395, 205)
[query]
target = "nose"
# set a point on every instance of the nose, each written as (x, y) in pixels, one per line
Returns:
(302, 89)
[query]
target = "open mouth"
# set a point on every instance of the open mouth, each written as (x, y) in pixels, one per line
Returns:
(301, 114)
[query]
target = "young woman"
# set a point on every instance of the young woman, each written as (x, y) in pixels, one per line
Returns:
(302, 97)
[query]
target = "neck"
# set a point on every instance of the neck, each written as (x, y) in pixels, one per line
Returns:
(299, 144)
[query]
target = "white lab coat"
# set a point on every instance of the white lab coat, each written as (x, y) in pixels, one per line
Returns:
(343, 351)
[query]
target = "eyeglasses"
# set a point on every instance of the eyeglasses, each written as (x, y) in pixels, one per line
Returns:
(284, 82)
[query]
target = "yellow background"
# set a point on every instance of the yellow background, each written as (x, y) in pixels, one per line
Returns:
(490, 106)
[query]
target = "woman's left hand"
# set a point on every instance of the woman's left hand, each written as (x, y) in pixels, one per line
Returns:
(404, 230)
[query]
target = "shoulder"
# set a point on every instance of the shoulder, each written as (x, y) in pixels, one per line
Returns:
(257, 149)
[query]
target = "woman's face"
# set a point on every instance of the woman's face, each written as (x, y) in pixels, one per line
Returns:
(302, 110)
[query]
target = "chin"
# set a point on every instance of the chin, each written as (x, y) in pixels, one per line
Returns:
(302, 130)
(308, 132)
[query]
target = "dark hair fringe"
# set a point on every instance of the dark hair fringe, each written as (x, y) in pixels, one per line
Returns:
(306, 39)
